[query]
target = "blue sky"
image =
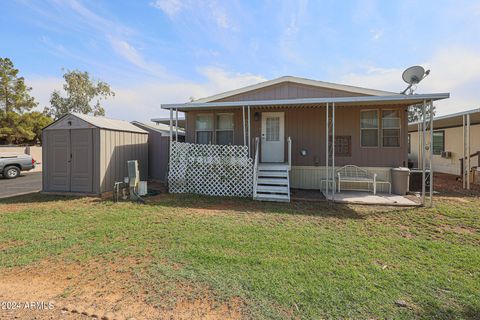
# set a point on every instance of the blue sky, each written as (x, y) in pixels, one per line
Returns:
(163, 51)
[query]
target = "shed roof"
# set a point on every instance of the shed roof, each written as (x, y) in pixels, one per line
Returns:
(166, 121)
(159, 127)
(104, 123)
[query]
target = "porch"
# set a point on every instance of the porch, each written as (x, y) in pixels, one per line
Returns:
(356, 197)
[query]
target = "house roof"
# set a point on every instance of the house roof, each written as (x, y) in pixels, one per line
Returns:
(396, 99)
(450, 120)
(158, 127)
(304, 81)
(166, 121)
(104, 123)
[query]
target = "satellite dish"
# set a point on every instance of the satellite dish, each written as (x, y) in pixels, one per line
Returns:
(413, 76)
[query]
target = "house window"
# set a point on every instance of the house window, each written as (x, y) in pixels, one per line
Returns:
(204, 129)
(273, 129)
(369, 128)
(224, 129)
(391, 128)
(438, 142)
(342, 146)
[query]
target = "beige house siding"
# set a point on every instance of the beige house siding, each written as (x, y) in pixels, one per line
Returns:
(453, 143)
(306, 127)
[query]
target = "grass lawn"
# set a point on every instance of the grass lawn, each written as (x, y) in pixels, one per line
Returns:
(298, 260)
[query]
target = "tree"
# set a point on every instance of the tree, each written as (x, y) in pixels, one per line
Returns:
(14, 100)
(35, 121)
(415, 112)
(26, 128)
(83, 95)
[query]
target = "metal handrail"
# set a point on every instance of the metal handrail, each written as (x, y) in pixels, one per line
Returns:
(255, 167)
(289, 142)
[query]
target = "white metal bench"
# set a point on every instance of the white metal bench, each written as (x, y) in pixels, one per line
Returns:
(353, 174)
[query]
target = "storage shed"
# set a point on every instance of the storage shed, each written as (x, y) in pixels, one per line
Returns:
(86, 154)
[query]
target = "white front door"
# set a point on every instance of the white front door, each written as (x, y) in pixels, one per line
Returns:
(273, 137)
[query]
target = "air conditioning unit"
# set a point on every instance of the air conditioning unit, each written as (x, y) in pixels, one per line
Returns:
(446, 154)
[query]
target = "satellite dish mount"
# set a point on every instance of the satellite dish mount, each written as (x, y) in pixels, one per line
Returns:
(413, 76)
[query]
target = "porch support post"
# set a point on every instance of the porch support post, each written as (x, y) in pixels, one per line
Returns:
(430, 158)
(327, 180)
(423, 150)
(419, 143)
(463, 154)
(333, 151)
(171, 126)
(468, 151)
(249, 137)
(243, 122)
(176, 124)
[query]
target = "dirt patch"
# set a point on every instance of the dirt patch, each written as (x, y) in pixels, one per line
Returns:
(462, 230)
(95, 289)
(452, 185)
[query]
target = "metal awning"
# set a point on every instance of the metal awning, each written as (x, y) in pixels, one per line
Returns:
(339, 102)
(450, 121)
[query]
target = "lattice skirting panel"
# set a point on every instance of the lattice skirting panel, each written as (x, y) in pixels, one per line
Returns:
(210, 169)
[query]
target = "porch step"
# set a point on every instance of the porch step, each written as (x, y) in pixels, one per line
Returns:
(281, 174)
(272, 181)
(272, 189)
(273, 197)
(273, 167)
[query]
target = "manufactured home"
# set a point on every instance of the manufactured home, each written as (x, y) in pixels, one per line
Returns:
(283, 129)
(455, 137)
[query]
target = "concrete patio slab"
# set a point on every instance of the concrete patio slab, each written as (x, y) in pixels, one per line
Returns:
(359, 197)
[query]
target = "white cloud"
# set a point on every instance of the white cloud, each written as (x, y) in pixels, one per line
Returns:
(453, 69)
(141, 101)
(376, 33)
(220, 15)
(131, 54)
(288, 40)
(42, 88)
(169, 7)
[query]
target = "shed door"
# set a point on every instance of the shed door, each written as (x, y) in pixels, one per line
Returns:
(81, 165)
(58, 157)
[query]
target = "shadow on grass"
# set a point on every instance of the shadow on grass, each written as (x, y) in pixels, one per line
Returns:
(36, 197)
(229, 204)
(450, 313)
(247, 206)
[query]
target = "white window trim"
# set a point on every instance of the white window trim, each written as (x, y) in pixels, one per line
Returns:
(217, 130)
(399, 128)
(213, 126)
(378, 129)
